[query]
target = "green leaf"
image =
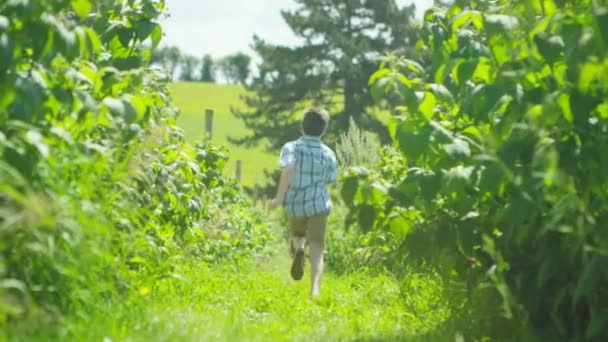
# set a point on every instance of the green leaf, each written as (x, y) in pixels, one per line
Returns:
(367, 216)
(399, 225)
(157, 35)
(125, 35)
(427, 106)
(82, 7)
(413, 143)
(491, 179)
(456, 178)
(138, 104)
(500, 23)
(379, 87)
(349, 188)
(465, 17)
(144, 29)
(483, 71)
(36, 139)
(458, 149)
(550, 47)
(116, 106)
(441, 92)
(430, 184)
(463, 70)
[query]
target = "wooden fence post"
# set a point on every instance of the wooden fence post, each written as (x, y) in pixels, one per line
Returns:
(239, 169)
(209, 123)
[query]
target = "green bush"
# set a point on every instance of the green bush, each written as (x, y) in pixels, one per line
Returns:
(503, 132)
(100, 197)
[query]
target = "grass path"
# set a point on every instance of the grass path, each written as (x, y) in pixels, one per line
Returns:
(255, 300)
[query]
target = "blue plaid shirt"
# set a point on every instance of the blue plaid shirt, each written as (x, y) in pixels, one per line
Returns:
(315, 166)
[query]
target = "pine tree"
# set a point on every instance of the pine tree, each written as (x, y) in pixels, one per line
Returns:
(207, 69)
(341, 40)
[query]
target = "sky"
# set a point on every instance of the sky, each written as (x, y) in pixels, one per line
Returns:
(222, 27)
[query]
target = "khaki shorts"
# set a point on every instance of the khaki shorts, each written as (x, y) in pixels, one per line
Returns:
(313, 228)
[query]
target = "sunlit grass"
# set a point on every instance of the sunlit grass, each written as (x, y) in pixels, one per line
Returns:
(257, 301)
(193, 98)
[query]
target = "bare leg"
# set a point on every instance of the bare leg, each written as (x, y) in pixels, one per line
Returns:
(316, 241)
(316, 268)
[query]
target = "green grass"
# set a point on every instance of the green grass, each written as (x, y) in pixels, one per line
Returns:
(257, 301)
(192, 98)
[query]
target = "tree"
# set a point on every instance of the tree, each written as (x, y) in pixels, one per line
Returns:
(341, 40)
(188, 67)
(235, 68)
(169, 57)
(207, 69)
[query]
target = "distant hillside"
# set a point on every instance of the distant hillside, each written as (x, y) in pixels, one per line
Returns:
(192, 98)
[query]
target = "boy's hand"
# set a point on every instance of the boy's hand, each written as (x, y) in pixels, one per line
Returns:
(274, 203)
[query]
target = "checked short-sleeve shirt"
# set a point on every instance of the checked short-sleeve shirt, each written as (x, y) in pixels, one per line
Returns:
(315, 166)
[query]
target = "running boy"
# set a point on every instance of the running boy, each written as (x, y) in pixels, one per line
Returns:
(307, 167)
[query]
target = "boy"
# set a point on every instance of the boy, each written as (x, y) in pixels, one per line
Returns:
(307, 167)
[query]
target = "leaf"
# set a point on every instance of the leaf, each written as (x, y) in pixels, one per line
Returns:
(367, 217)
(465, 17)
(430, 184)
(463, 70)
(378, 87)
(399, 225)
(413, 143)
(116, 106)
(125, 35)
(138, 104)
(441, 92)
(500, 23)
(456, 178)
(427, 106)
(82, 7)
(491, 178)
(157, 35)
(458, 149)
(36, 139)
(144, 28)
(482, 71)
(411, 65)
(550, 47)
(349, 189)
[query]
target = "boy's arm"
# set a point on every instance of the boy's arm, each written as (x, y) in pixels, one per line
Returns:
(286, 175)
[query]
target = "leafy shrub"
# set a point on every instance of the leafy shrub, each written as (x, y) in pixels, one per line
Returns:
(100, 197)
(503, 135)
(356, 147)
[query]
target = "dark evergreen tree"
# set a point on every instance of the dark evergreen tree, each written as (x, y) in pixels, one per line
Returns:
(207, 69)
(340, 41)
(235, 68)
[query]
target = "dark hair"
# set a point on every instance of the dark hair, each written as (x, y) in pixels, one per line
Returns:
(315, 121)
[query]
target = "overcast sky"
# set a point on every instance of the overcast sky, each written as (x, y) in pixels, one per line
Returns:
(221, 27)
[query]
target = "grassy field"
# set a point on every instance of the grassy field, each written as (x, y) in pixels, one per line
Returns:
(257, 301)
(192, 98)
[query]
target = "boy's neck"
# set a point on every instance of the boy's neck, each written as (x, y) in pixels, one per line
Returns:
(311, 137)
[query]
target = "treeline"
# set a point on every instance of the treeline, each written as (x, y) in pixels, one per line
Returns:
(234, 68)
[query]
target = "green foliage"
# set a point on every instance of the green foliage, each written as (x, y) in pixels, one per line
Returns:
(503, 132)
(100, 198)
(357, 148)
(341, 41)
